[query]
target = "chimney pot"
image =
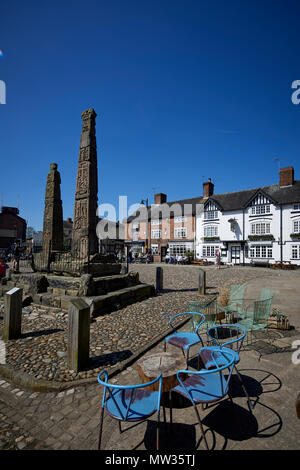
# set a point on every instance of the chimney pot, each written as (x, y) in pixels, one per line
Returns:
(208, 188)
(160, 198)
(286, 176)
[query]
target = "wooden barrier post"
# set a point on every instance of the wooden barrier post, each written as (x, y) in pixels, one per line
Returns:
(78, 334)
(202, 282)
(159, 279)
(13, 314)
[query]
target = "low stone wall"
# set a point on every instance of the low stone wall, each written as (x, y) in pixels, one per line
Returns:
(67, 265)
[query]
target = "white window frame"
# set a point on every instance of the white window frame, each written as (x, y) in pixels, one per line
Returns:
(296, 226)
(260, 228)
(296, 207)
(180, 232)
(261, 209)
(154, 248)
(295, 251)
(209, 215)
(209, 251)
(156, 233)
(211, 231)
(180, 219)
(179, 248)
(261, 252)
(155, 222)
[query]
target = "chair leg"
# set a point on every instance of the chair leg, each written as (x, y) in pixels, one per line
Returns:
(187, 358)
(170, 404)
(165, 346)
(201, 426)
(100, 428)
(157, 431)
(120, 429)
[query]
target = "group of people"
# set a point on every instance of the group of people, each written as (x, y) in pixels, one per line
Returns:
(174, 259)
(13, 254)
(139, 257)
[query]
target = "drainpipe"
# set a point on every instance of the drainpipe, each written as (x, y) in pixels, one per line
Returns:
(281, 233)
(244, 237)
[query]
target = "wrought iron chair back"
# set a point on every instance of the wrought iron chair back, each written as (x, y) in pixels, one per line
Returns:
(199, 317)
(234, 331)
(209, 310)
(266, 294)
(236, 294)
(261, 311)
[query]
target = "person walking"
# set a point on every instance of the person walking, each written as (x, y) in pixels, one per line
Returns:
(218, 258)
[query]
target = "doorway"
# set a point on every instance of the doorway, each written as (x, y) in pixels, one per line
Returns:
(235, 254)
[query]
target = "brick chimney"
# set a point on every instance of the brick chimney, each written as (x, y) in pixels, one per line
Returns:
(286, 176)
(160, 198)
(208, 188)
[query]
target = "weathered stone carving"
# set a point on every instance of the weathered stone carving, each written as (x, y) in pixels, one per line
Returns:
(84, 238)
(53, 234)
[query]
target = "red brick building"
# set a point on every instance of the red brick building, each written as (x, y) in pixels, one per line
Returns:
(12, 227)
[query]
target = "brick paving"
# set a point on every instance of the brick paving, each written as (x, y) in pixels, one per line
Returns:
(69, 419)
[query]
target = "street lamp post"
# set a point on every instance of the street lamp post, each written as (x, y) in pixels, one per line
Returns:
(146, 202)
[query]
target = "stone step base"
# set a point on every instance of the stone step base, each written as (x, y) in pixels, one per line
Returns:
(114, 300)
(99, 304)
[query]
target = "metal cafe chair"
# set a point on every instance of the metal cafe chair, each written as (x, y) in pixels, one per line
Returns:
(205, 386)
(234, 336)
(184, 339)
(257, 319)
(130, 403)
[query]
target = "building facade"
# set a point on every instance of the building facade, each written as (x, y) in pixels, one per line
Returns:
(12, 227)
(259, 226)
(163, 228)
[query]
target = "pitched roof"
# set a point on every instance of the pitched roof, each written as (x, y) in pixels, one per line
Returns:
(227, 201)
(239, 199)
(180, 207)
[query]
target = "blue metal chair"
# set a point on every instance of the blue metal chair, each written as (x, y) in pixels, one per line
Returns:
(130, 403)
(206, 386)
(234, 336)
(184, 339)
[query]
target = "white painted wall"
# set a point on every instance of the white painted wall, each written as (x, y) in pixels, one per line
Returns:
(225, 233)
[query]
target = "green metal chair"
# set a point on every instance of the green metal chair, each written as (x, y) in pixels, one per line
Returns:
(266, 294)
(257, 319)
(236, 299)
(208, 309)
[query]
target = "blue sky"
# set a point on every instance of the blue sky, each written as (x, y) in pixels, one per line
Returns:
(184, 91)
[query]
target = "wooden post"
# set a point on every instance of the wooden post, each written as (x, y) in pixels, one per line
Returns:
(159, 279)
(13, 314)
(78, 334)
(202, 282)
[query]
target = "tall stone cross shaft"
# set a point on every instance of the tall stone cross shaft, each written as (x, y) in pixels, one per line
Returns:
(53, 232)
(84, 237)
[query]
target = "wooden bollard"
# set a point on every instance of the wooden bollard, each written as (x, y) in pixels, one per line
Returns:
(202, 282)
(78, 334)
(159, 279)
(12, 314)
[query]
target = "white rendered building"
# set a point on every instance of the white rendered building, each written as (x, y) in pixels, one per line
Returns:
(255, 226)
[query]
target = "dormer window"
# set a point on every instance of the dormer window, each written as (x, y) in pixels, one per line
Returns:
(261, 209)
(210, 211)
